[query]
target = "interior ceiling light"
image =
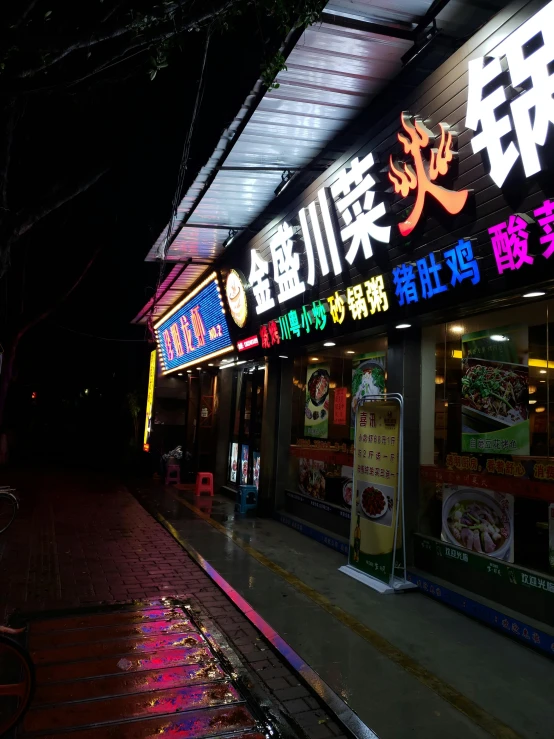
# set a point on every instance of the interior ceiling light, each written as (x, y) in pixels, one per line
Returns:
(532, 402)
(542, 372)
(535, 294)
(540, 409)
(282, 356)
(457, 329)
(404, 325)
(499, 337)
(314, 359)
(329, 343)
(349, 351)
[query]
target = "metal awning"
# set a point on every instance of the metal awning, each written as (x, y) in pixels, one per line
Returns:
(333, 72)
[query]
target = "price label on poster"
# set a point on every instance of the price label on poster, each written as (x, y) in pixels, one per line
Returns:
(339, 407)
(376, 481)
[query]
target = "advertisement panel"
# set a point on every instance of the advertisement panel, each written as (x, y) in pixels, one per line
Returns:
(495, 391)
(339, 406)
(375, 489)
(316, 411)
(256, 469)
(196, 329)
(233, 461)
(368, 378)
(244, 464)
(478, 520)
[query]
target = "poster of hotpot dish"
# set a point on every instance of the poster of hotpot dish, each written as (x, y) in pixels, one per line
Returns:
(368, 378)
(495, 391)
(478, 520)
(316, 409)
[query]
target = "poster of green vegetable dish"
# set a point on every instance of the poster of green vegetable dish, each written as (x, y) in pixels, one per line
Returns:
(495, 391)
(368, 378)
(316, 410)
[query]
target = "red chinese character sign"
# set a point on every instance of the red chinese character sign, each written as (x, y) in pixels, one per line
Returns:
(339, 407)
(195, 330)
(419, 175)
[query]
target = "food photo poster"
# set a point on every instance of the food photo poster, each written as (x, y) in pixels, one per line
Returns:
(368, 378)
(495, 391)
(376, 481)
(316, 409)
(478, 520)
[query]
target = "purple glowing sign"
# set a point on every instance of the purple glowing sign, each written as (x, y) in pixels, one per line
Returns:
(510, 243)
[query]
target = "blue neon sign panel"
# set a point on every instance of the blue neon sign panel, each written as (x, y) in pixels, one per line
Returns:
(197, 330)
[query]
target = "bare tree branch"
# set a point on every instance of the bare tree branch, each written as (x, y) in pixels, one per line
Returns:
(8, 143)
(27, 220)
(28, 8)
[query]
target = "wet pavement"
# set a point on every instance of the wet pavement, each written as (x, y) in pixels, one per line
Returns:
(141, 671)
(408, 666)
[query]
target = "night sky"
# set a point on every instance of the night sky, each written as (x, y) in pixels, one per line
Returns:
(135, 128)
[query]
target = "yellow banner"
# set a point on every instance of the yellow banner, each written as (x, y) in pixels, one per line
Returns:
(150, 401)
(376, 483)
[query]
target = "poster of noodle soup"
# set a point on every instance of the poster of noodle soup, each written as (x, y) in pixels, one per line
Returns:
(478, 520)
(495, 391)
(316, 409)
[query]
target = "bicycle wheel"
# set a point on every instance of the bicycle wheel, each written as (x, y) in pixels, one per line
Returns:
(17, 679)
(8, 509)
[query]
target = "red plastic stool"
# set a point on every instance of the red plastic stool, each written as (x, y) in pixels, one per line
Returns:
(204, 483)
(173, 474)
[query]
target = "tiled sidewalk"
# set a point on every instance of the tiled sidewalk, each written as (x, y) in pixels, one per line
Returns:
(82, 540)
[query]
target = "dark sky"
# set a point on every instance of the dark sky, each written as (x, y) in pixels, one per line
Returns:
(137, 129)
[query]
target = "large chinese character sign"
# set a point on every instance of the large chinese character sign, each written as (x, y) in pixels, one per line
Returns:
(419, 173)
(195, 330)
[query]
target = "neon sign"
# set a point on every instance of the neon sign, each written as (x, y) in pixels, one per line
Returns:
(249, 343)
(236, 298)
(149, 401)
(196, 329)
(427, 283)
(530, 109)
(422, 179)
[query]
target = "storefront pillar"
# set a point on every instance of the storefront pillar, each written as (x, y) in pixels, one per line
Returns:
(275, 442)
(404, 377)
(223, 411)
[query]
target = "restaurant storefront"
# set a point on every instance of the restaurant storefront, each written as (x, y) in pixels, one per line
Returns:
(420, 263)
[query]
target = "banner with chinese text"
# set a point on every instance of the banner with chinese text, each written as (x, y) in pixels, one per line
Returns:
(316, 410)
(479, 520)
(495, 391)
(375, 491)
(551, 535)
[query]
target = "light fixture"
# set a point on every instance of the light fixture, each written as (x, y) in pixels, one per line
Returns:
(542, 380)
(457, 329)
(189, 372)
(542, 372)
(286, 178)
(314, 359)
(536, 294)
(329, 343)
(210, 365)
(198, 368)
(230, 237)
(179, 374)
(439, 380)
(532, 402)
(349, 351)
(532, 389)
(499, 337)
(540, 409)
(404, 325)
(282, 356)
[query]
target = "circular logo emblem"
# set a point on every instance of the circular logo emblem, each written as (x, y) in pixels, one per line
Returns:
(236, 298)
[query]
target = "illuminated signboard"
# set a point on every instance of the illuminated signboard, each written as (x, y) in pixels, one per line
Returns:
(249, 343)
(511, 121)
(150, 401)
(236, 298)
(195, 330)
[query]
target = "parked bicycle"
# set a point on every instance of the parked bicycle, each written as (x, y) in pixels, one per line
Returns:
(16, 669)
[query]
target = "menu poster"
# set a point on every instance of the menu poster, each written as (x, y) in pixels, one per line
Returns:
(375, 491)
(339, 406)
(233, 464)
(368, 378)
(244, 464)
(478, 520)
(256, 469)
(316, 410)
(551, 535)
(495, 391)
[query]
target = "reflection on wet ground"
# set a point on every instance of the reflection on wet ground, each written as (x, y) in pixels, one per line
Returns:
(434, 651)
